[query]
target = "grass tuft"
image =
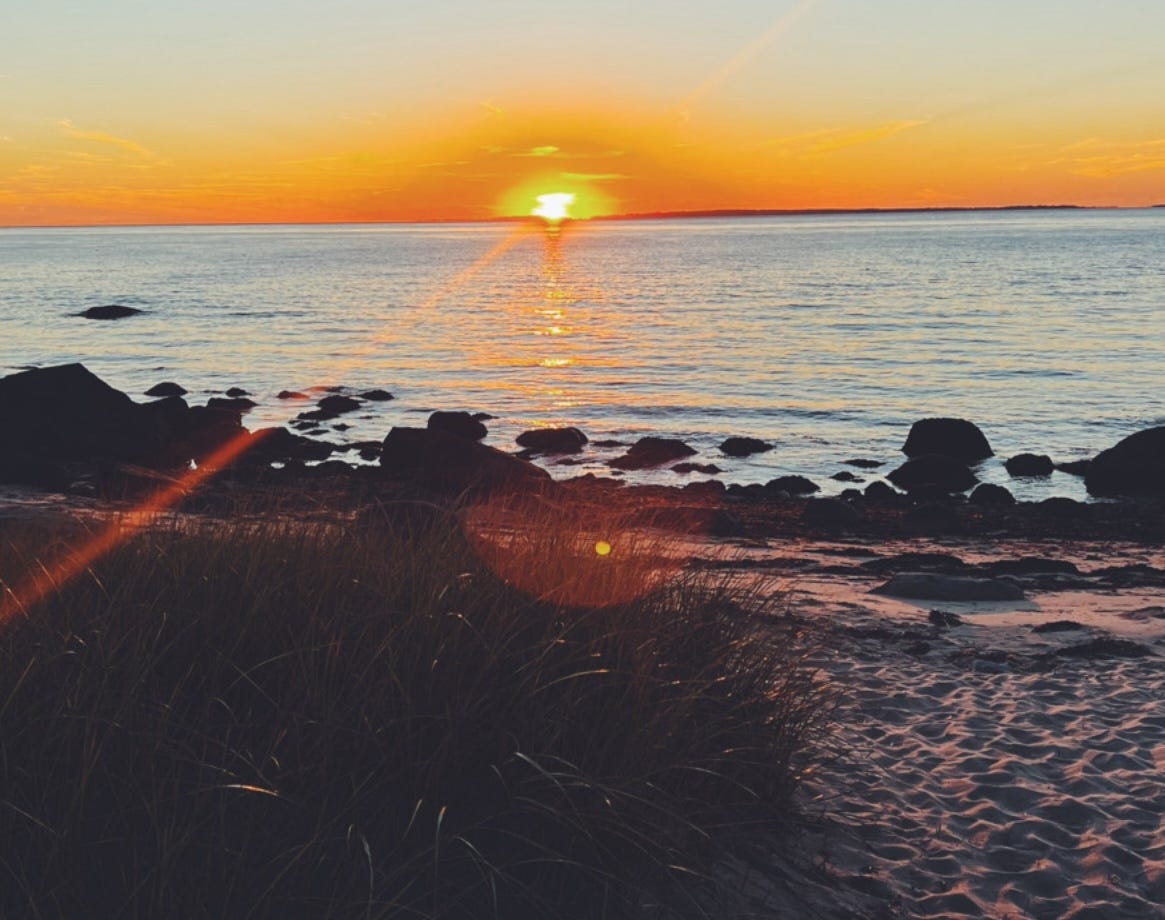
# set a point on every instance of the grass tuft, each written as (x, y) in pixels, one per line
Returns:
(416, 714)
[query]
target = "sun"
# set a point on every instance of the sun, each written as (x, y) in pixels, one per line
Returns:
(554, 206)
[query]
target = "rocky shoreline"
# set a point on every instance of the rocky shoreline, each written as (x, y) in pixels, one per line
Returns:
(66, 431)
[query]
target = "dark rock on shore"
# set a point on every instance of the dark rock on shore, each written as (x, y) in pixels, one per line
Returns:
(1029, 465)
(708, 469)
(553, 440)
(949, 437)
(743, 447)
(167, 388)
(237, 393)
(65, 413)
(1074, 467)
(878, 491)
(944, 619)
(109, 311)
(232, 403)
(376, 395)
(845, 476)
(989, 495)
(1134, 466)
(939, 472)
(1057, 626)
(650, 452)
(929, 586)
(279, 444)
(452, 464)
(862, 464)
(794, 485)
(459, 424)
(338, 405)
(830, 514)
(1104, 647)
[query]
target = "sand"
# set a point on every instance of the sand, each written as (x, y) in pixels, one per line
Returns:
(983, 770)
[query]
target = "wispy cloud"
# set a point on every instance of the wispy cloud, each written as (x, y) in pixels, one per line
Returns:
(827, 140)
(593, 177)
(101, 137)
(1100, 158)
(546, 150)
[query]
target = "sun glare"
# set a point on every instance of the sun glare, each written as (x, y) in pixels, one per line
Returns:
(554, 206)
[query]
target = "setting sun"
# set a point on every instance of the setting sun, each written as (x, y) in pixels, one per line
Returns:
(554, 206)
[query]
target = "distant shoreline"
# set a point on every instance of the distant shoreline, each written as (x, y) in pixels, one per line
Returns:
(631, 216)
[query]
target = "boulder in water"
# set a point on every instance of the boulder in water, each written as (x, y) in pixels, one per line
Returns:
(650, 452)
(1134, 466)
(948, 437)
(109, 311)
(459, 424)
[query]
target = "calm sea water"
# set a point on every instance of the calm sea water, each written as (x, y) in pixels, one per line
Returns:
(827, 334)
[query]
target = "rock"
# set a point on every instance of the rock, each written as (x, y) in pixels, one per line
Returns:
(1075, 467)
(453, 464)
(1062, 508)
(208, 429)
(65, 413)
(933, 514)
(109, 311)
(878, 491)
(948, 437)
(933, 471)
(291, 394)
(927, 562)
(338, 405)
(830, 513)
(846, 476)
(708, 469)
(794, 485)
(232, 403)
(279, 444)
(650, 452)
(236, 393)
(989, 495)
(459, 424)
(986, 666)
(1104, 647)
(1029, 465)
(376, 395)
(862, 464)
(553, 440)
(944, 619)
(1134, 466)
(166, 389)
(743, 447)
(1033, 565)
(1055, 626)
(933, 587)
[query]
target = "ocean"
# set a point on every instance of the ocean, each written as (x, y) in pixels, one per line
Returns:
(824, 334)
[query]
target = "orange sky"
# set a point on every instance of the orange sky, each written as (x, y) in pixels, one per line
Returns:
(289, 112)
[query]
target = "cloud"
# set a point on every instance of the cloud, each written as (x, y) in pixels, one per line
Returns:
(546, 150)
(593, 177)
(100, 137)
(827, 140)
(1100, 158)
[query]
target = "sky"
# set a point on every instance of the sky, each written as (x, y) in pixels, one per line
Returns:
(255, 111)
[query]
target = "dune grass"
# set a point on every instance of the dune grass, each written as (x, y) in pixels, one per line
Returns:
(380, 719)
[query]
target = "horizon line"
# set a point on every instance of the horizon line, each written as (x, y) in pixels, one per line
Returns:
(690, 214)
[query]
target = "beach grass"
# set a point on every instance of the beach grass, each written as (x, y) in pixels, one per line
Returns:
(410, 713)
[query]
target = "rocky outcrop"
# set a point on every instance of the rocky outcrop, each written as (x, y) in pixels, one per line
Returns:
(1134, 466)
(948, 437)
(743, 447)
(651, 452)
(459, 424)
(453, 465)
(109, 311)
(167, 388)
(931, 587)
(989, 495)
(1029, 465)
(553, 440)
(933, 473)
(793, 485)
(65, 413)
